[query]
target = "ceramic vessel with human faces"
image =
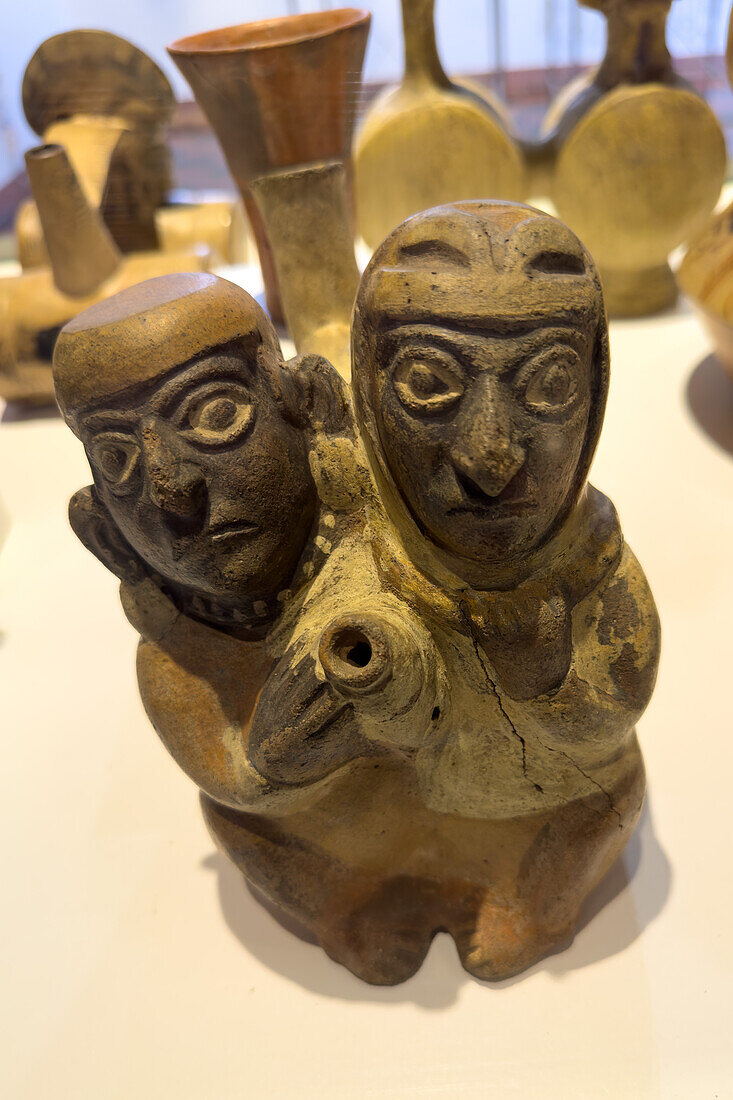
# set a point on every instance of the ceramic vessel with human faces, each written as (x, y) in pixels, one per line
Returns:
(434, 731)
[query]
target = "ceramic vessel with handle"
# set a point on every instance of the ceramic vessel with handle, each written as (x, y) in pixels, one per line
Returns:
(430, 140)
(635, 158)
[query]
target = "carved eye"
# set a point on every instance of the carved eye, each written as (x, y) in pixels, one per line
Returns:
(116, 457)
(218, 414)
(550, 380)
(427, 381)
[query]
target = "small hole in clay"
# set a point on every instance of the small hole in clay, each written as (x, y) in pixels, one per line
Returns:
(360, 654)
(436, 714)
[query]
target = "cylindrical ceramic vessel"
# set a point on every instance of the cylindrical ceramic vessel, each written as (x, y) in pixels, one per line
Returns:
(80, 247)
(306, 216)
(278, 93)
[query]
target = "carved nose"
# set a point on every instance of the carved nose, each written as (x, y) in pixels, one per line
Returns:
(485, 452)
(177, 487)
(491, 472)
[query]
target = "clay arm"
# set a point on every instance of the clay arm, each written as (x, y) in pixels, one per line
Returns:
(366, 684)
(615, 654)
(199, 686)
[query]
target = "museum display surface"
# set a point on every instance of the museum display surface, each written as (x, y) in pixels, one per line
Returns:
(457, 654)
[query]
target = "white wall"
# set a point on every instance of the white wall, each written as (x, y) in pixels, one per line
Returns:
(534, 33)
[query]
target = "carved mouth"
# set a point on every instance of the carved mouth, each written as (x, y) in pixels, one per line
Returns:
(510, 501)
(227, 530)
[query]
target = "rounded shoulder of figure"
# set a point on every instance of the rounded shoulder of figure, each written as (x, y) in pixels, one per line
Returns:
(617, 624)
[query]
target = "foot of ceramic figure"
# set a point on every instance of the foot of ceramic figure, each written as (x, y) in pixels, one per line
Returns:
(385, 937)
(639, 293)
(506, 941)
(377, 957)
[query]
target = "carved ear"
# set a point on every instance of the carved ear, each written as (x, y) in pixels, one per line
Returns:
(313, 395)
(92, 524)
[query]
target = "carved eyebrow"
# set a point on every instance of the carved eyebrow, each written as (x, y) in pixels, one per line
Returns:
(108, 419)
(202, 370)
(467, 346)
(166, 394)
(434, 249)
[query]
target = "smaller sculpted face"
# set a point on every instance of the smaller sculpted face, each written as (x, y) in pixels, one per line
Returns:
(204, 478)
(483, 432)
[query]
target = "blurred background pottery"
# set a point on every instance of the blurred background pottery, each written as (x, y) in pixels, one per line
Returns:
(307, 219)
(85, 266)
(430, 140)
(107, 103)
(706, 273)
(618, 145)
(278, 93)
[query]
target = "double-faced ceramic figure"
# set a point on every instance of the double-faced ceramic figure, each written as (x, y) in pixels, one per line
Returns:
(407, 695)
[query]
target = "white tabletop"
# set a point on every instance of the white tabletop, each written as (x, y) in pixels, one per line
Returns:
(135, 962)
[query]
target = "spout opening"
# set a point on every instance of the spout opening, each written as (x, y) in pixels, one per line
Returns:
(355, 655)
(353, 648)
(44, 152)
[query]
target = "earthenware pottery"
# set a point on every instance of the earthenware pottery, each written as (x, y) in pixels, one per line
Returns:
(399, 643)
(638, 158)
(278, 93)
(706, 273)
(705, 277)
(430, 140)
(86, 265)
(218, 224)
(106, 102)
(80, 247)
(307, 218)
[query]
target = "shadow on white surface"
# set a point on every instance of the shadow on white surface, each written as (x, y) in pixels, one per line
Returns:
(709, 395)
(611, 919)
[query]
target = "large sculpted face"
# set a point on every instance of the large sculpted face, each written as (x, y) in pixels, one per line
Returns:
(483, 431)
(204, 477)
(476, 357)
